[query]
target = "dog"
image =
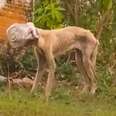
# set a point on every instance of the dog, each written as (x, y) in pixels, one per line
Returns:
(49, 44)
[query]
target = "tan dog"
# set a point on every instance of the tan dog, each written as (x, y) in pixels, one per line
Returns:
(52, 43)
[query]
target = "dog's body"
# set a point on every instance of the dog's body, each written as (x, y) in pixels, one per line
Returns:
(52, 43)
(65, 39)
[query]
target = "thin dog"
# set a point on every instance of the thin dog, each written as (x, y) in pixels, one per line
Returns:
(49, 44)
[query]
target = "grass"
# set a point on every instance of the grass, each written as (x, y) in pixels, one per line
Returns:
(21, 103)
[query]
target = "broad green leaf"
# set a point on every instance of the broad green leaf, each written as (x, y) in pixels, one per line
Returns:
(107, 4)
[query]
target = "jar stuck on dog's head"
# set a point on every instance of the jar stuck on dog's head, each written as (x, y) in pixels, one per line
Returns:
(21, 34)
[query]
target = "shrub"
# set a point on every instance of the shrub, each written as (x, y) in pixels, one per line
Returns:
(48, 14)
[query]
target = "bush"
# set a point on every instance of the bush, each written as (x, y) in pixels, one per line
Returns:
(48, 14)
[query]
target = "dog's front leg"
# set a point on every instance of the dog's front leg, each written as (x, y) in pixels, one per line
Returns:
(51, 75)
(37, 73)
(40, 68)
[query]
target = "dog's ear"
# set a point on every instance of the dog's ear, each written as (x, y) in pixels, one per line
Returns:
(33, 30)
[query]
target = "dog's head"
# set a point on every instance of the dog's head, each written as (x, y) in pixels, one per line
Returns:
(19, 35)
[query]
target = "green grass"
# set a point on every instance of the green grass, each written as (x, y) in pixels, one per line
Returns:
(21, 103)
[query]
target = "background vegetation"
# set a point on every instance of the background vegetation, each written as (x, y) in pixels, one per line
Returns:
(96, 15)
(100, 17)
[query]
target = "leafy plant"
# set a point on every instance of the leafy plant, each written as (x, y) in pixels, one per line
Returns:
(105, 79)
(48, 14)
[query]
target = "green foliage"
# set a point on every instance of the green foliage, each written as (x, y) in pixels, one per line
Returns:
(106, 4)
(65, 71)
(104, 80)
(29, 60)
(48, 14)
